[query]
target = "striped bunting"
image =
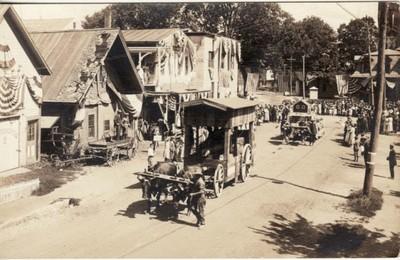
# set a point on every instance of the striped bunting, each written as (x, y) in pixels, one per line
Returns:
(11, 94)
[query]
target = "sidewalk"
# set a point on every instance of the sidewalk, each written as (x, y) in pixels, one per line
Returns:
(97, 181)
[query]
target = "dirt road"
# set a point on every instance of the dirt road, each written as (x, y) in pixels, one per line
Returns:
(291, 206)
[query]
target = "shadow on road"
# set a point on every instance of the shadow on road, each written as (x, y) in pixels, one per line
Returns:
(275, 142)
(395, 193)
(166, 212)
(302, 237)
(134, 186)
(338, 140)
(354, 165)
(380, 176)
(276, 181)
(278, 137)
(137, 207)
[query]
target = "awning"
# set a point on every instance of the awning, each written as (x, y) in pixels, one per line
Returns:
(48, 121)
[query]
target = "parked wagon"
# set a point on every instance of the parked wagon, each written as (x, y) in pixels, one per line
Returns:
(63, 148)
(110, 150)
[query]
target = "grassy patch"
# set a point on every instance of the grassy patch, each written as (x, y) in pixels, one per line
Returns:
(52, 177)
(365, 206)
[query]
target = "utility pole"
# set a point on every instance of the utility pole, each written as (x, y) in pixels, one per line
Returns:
(370, 167)
(371, 80)
(304, 76)
(291, 74)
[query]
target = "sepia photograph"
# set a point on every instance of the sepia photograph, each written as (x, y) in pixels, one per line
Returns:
(200, 129)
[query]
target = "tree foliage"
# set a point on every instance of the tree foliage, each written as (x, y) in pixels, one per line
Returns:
(353, 40)
(268, 34)
(137, 16)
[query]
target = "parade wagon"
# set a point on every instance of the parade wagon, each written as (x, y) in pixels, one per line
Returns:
(299, 120)
(218, 139)
(228, 151)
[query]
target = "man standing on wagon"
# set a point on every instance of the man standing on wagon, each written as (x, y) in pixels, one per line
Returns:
(198, 197)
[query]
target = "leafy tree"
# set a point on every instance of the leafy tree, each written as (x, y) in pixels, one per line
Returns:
(268, 34)
(317, 43)
(353, 40)
(138, 16)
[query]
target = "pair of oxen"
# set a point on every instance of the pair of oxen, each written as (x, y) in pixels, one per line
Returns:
(154, 188)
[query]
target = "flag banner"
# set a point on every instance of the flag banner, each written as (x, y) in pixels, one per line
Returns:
(342, 83)
(252, 83)
(354, 85)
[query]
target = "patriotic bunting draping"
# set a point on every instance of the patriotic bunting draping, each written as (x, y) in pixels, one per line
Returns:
(172, 103)
(11, 96)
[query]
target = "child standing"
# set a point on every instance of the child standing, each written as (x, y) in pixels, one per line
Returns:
(150, 156)
(356, 148)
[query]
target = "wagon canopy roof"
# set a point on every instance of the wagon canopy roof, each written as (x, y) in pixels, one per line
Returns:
(8, 13)
(74, 54)
(223, 104)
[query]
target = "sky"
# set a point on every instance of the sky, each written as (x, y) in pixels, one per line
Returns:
(331, 13)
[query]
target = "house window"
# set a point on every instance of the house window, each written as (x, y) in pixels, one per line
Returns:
(31, 132)
(186, 65)
(106, 125)
(211, 59)
(91, 126)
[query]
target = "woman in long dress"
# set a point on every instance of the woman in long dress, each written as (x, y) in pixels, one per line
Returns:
(352, 135)
(390, 125)
(266, 114)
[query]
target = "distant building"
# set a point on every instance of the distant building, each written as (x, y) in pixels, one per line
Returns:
(49, 25)
(93, 78)
(21, 68)
(361, 76)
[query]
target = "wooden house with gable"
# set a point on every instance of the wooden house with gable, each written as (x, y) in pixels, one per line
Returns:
(21, 69)
(359, 82)
(166, 62)
(94, 78)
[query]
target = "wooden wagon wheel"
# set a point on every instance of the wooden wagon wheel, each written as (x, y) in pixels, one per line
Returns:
(218, 180)
(247, 159)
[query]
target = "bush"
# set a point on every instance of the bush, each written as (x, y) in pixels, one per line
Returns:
(365, 205)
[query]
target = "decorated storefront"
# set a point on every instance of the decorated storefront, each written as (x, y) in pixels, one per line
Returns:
(94, 86)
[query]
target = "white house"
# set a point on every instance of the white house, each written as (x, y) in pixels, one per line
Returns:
(21, 68)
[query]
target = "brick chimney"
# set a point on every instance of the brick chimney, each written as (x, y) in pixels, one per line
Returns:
(108, 18)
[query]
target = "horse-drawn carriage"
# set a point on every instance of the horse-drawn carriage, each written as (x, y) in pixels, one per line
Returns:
(218, 139)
